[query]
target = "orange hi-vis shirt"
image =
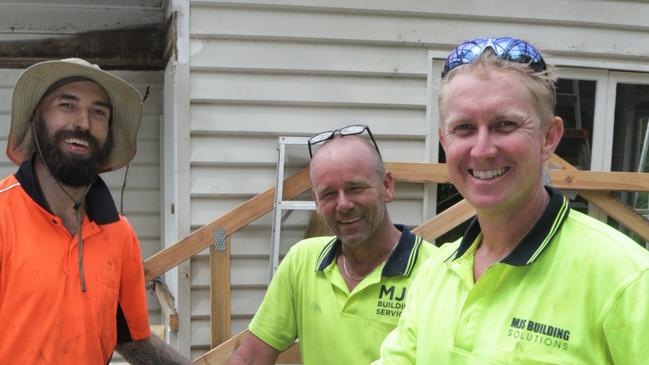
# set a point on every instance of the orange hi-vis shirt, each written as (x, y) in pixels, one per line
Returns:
(45, 318)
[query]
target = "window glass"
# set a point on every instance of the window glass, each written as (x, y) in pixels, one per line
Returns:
(576, 106)
(631, 141)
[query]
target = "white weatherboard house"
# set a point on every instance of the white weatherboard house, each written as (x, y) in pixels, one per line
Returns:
(233, 76)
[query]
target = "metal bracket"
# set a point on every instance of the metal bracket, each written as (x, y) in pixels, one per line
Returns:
(219, 239)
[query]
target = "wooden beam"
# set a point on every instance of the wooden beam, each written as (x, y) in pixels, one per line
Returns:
(220, 354)
(220, 299)
(232, 221)
(419, 172)
(572, 179)
(445, 221)
(621, 212)
(167, 305)
(596, 180)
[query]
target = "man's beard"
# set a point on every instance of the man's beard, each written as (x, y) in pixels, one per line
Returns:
(70, 169)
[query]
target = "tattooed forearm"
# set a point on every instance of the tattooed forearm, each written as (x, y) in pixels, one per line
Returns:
(151, 350)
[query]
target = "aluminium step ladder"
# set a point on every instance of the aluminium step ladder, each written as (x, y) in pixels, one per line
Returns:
(283, 208)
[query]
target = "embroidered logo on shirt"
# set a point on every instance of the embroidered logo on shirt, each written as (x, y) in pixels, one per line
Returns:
(391, 301)
(537, 332)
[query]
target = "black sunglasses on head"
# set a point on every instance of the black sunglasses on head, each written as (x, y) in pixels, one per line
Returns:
(344, 131)
(505, 48)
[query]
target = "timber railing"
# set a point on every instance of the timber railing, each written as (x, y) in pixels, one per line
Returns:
(595, 187)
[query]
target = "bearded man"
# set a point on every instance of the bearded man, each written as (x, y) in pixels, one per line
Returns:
(71, 278)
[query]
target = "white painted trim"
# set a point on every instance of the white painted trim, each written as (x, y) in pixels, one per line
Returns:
(175, 174)
(434, 68)
(598, 62)
(630, 77)
(614, 79)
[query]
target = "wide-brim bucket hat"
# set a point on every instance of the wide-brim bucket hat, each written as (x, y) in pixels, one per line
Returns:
(125, 100)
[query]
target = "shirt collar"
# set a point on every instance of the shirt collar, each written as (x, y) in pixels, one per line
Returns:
(400, 262)
(537, 240)
(100, 206)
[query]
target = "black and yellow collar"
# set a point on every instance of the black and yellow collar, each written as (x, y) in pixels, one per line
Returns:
(400, 262)
(533, 244)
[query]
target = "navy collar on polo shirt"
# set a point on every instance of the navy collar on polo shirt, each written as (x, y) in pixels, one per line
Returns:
(100, 206)
(400, 261)
(536, 240)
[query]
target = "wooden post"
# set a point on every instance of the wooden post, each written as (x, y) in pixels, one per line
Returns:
(220, 298)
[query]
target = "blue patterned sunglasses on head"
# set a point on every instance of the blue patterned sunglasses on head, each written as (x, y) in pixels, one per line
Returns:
(505, 48)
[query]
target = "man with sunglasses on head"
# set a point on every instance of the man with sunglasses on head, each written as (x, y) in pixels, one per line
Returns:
(71, 278)
(340, 296)
(531, 281)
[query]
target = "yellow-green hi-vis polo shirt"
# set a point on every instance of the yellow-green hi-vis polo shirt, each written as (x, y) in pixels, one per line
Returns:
(574, 291)
(308, 299)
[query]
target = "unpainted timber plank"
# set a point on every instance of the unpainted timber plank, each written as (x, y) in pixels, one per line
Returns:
(571, 179)
(220, 292)
(445, 221)
(418, 172)
(220, 354)
(597, 180)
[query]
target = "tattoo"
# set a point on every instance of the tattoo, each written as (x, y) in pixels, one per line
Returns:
(151, 350)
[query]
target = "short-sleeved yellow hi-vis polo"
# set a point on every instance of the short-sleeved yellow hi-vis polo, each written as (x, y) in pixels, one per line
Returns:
(309, 299)
(574, 291)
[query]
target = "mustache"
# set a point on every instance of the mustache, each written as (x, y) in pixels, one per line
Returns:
(61, 135)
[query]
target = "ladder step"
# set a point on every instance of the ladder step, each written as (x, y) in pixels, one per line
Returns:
(296, 205)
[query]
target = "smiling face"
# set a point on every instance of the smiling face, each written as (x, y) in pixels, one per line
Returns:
(73, 131)
(351, 189)
(494, 141)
